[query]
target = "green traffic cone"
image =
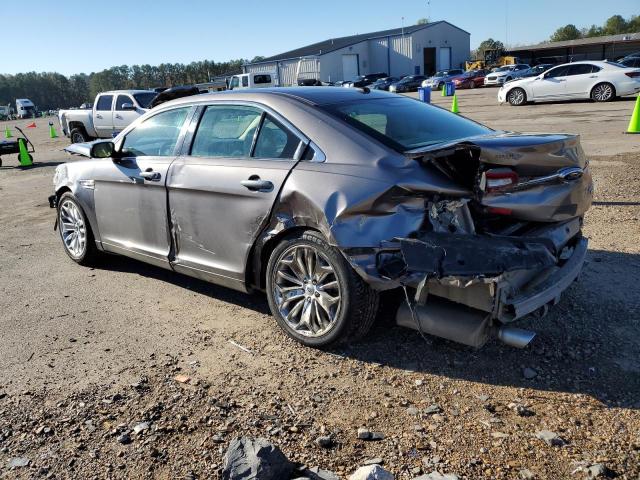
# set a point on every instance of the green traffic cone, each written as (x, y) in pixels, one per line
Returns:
(444, 91)
(454, 104)
(634, 123)
(7, 132)
(52, 131)
(24, 157)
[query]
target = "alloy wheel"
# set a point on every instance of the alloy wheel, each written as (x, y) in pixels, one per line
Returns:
(307, 291)
(73, 229)
(602, 92)
(516, 97)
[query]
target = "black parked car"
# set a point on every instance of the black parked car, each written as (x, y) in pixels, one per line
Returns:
(384, 83)
(409, 83)
(366, 80)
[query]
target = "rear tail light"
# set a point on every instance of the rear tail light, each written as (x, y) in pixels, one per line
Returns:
(497, 179)
(633, 74)
(499, 211)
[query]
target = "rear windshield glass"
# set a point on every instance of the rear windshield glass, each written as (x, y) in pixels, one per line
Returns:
(144, 99)
(404, 123)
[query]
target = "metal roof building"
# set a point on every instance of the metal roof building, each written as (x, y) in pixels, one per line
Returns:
(608, 47)
(416, 49)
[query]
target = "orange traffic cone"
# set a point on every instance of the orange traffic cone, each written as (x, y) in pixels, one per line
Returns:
(32, 125)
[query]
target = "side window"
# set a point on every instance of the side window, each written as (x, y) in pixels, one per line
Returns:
(104, 103)
(580, 69)
(234, 83)
(226, 131)
(245, 81)
(121, 100)
(557, 72)
(156, 136)
(275, 141)
(262, 79)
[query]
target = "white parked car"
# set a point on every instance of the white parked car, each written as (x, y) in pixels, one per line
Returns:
(253, 80)
(505, 74)
(599, 80)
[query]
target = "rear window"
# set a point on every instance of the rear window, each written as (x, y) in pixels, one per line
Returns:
(145, 98)
(104, 103)
(262, 79)
(404, 123)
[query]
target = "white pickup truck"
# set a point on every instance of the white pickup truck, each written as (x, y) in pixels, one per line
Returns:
(111, 113)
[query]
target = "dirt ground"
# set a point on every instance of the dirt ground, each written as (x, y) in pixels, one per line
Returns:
(87, 354)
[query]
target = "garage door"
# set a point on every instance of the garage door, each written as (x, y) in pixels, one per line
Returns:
(445, 58)
(349, 66)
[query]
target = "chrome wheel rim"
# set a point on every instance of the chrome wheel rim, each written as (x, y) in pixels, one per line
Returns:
(72, 229)
(517, 97)
(307, 291)
(603, 92)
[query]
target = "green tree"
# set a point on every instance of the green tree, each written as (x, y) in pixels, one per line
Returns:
(568, 32)
(614, 25)
(592, 31)
(422, 21)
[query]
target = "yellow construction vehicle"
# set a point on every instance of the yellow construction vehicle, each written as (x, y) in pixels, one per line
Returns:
(491, 59)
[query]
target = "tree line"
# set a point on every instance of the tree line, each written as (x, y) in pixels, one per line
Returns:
(50, 90)
(614, 25)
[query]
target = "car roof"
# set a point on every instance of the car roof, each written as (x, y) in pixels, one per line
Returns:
(309, 95)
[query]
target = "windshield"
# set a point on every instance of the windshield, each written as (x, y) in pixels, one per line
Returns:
(404, 123)
(144, 99)
(615, 64)
(505, 69)
(407, 79)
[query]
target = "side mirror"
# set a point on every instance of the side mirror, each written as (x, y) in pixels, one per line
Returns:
(104, 149)
(128, 106)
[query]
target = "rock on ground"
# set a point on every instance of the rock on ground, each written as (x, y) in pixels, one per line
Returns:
(255, 459)
(371, 472)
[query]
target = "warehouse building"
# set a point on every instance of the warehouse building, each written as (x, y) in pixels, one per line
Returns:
(610, 47)
(417, 49)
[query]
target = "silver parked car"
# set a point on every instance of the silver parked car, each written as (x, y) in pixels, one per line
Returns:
(324, 197)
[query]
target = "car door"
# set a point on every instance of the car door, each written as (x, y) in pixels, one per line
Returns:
(551, 85)
(130, 193)
(580, 78)
(125, 111)
(103, 116)
(222, 189)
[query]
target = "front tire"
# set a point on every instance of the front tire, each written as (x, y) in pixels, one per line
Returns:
(315, 295)
(603, 92)
(75, 231)
(517, 97)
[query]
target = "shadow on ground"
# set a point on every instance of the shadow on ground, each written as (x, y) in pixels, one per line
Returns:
(587, 344)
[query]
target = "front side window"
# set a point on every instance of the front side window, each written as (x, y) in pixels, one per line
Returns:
(226, 131)
(121, 100)
(245, 81)
(104, 103)
(403, 123)
(157, 136)
(275, 141)
(557, 72)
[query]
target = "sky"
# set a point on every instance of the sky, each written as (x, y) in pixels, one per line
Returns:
(73, 36)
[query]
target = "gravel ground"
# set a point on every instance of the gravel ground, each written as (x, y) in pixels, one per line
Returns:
(128, 371)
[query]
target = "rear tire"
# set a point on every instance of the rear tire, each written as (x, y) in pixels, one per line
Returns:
(517, 97)
(291, 292)
(78, 135)
(75, 231)
(603, 92)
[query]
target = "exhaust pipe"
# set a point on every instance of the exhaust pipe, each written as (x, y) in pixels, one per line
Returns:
(515, 337)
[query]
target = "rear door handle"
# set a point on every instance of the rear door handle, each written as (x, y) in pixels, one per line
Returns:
(151, 175)
(255, 184)
(118, 117)
(98, 116)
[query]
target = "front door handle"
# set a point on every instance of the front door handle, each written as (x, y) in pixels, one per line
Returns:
(149, 174)
(255, 184)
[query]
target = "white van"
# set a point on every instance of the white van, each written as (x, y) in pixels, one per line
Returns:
(253, 80)
(25, 108)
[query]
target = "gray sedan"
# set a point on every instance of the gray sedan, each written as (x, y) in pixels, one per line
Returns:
(324, 197)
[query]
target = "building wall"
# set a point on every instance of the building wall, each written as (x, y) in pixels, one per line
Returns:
(404, 56)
